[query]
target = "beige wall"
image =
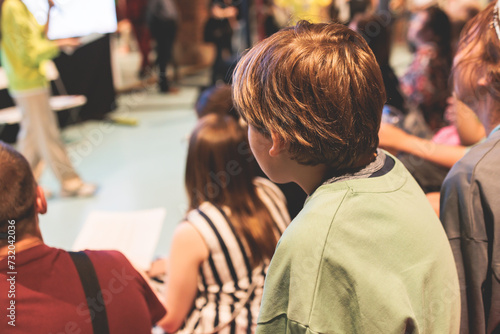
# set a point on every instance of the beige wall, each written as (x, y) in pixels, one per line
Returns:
(190, 48)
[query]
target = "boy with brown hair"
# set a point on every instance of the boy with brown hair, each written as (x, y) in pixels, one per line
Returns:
(366, 254)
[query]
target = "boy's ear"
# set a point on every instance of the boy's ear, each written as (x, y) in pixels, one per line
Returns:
(279, 145)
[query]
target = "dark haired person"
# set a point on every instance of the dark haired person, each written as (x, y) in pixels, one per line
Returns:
(48, 293)
(220, 253)
(377, 32)
(425, 82)
(24, 51)
(366, 254)
(216, 100)
(470, 197)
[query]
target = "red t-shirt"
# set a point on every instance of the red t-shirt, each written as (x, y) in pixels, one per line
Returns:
(49, 297)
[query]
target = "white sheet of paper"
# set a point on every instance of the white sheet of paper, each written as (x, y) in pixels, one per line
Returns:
(75, 18)
(134, 233)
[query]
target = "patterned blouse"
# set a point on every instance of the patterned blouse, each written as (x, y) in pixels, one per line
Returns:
(425, 83)
(228, 286)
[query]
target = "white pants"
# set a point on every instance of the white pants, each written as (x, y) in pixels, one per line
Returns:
(39, 137)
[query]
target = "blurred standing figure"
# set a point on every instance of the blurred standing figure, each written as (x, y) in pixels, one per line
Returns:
(224, 15)
(136, 14)
(162, 18)
(25, 49)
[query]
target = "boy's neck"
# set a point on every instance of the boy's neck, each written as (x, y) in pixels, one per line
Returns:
(309, 178)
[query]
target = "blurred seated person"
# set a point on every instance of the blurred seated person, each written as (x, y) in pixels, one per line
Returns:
(429, 160)
(220, 253)
(216, 100)
(49, 294)
(425, 83)
(377, 31)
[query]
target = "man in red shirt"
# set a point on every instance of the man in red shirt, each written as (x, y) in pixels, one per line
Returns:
(40, 287)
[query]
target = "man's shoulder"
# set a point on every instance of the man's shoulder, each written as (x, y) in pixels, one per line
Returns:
(108, 258)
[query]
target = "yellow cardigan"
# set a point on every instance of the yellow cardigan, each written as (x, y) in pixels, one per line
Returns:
(24, 47)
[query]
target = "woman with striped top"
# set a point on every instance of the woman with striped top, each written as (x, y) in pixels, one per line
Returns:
(220, 253)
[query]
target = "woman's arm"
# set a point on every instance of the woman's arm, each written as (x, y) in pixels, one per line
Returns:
(393, 138)
(469, 128)
(187, 253)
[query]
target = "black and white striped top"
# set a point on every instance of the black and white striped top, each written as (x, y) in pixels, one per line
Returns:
(226, 277)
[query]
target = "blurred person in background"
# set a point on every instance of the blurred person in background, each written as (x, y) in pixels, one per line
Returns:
(25, 50)
(425, 83)
(218, 100)
(162, 16)
(223, 20)
(135, 12)
(377, 32)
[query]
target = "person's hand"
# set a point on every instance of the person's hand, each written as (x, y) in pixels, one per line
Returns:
(224, 13)
(230, 12)
(158, 268)
(217, 12)
(68, 42)
(391, 137)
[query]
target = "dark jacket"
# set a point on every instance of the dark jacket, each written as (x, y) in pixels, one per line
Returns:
(470, 213)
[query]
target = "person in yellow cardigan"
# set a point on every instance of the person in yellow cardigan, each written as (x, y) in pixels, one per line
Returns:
(24, 51)
(313, 11)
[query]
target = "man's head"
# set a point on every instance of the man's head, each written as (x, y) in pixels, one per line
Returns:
(318, 89)
(20, 197)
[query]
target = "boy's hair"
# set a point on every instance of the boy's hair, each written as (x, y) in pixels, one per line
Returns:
(319, 88)
(17, 191)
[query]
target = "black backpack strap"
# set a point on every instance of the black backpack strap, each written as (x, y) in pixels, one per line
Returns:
(92, 289)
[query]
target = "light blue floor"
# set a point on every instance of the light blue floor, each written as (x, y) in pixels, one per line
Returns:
(136, 167)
